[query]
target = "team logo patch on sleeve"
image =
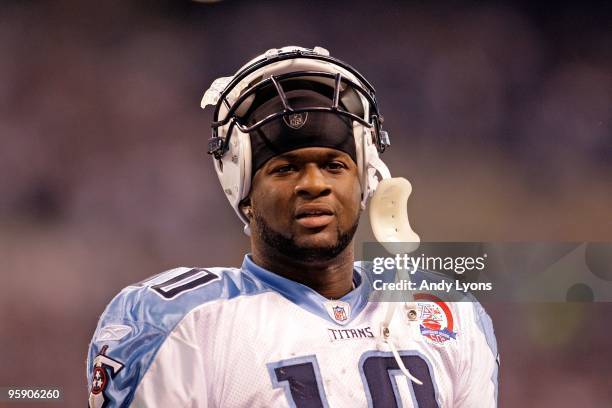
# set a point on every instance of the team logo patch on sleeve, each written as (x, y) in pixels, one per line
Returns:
(99, 380)
(436, 319)
(102, 367)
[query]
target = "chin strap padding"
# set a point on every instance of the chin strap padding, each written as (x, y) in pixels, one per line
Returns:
(389, 215)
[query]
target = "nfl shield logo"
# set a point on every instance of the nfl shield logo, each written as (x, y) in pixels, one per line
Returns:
(340, 313)
(296, 120)
(338, 310)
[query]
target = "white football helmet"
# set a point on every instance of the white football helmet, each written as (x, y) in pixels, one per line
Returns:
(352, 96)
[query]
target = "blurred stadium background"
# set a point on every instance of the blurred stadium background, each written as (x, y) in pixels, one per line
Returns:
(499, 113)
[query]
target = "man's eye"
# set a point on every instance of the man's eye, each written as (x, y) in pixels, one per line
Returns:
(284, 169)
(335, 165)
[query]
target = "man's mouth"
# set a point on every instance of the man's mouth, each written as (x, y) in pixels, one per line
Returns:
(314, 216)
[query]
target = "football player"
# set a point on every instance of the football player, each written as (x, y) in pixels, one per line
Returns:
(296, 138)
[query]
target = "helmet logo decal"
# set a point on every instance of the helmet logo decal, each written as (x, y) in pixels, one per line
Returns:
(296, 120)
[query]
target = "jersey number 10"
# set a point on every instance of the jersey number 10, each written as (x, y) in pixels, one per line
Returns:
(301, 379)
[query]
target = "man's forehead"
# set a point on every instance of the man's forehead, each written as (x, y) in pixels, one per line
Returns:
(311, 153)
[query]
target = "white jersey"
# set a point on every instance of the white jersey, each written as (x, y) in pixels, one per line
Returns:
(227, 337)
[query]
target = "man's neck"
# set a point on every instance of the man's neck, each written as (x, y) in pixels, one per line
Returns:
(331, 279)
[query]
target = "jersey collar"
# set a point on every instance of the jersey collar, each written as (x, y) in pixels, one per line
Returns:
(307, 298)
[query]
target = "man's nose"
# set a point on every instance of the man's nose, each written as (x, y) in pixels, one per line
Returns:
(312, 182)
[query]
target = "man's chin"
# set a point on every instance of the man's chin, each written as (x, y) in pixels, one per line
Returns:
(321, 246)
(314, 253)
(319, 241)
(306, 244)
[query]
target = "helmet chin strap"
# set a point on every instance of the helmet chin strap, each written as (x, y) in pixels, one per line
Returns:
(391, 227)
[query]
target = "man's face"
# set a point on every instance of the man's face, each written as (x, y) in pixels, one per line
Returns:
(306, 203)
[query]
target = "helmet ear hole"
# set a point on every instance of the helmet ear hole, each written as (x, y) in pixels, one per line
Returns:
(245, 203)
(245, 207)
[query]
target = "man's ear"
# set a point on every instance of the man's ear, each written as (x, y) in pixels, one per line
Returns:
(245, 207)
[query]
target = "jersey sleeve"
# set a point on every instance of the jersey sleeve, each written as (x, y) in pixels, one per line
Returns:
(119, 355)
(478, 381)
(143, 352)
